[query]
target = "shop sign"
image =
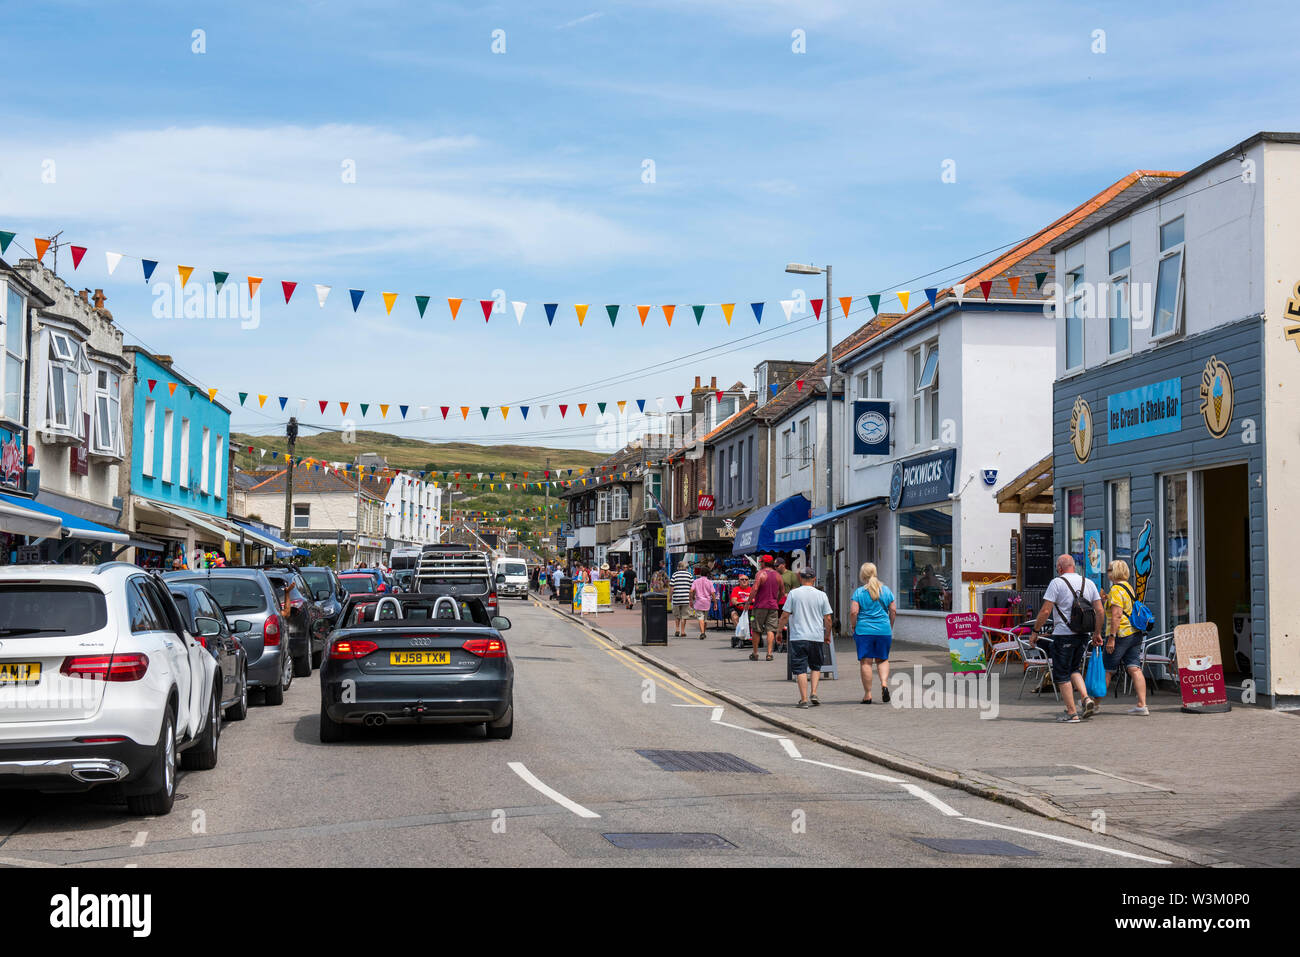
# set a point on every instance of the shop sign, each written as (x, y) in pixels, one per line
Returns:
(676, 534)
(1141, 413)
(1081, 429)
(871, 427)
(710, 529)
(1217, 397)
(924, 480)
(11, 460)
(704, 503)
(29, 555)
(1292, 330)
(79, 455)
(966, 643)
(659, 536)
(1200, 667)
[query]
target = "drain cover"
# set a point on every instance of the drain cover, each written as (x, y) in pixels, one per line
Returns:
(669, 842)
(700, 761)
(958, 845)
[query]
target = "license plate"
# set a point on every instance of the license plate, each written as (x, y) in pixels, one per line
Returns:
(419, 657)
(20, 673)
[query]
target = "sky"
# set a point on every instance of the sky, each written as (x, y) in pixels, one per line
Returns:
(632, 153)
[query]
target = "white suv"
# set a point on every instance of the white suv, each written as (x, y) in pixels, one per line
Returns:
(101, 683)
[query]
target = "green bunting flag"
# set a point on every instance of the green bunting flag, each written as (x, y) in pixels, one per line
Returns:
(699, 313)
(219, 278)
(1038, 279)
(421, 302)
(5, 239)
(613, 313)
(484, 410)
(601, 406)
(242, 397)
(875, 304)
(365, 407)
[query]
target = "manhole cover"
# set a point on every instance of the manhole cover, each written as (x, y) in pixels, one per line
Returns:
(960, 845)
(700, 761)
(669, 842)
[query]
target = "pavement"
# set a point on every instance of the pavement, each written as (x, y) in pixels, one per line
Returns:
(1174, 783)
(578, 779)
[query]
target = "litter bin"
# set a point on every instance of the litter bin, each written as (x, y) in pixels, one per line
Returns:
(566, 591)
(654, 618)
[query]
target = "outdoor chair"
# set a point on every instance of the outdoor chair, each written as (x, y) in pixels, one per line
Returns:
(1157, 651)
(1036, 660)
(1002, 643)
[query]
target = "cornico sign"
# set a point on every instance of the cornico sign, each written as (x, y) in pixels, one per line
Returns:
(924, 480)
(870, 427)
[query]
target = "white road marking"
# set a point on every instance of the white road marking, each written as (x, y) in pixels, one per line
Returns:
(532, 780)
(865, 774)
(918, 791)
(1069, 840)
(790, 749)
(140, 838)
(761, 734)
(717, 714)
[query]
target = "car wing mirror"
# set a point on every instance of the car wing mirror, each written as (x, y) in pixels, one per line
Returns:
(500, 623)
(243, 626)
(208, 627)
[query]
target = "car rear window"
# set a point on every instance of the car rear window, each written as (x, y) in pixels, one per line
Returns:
(39, 611)
(237, 595)
(357, 584)
(514, 568)
(318, 581)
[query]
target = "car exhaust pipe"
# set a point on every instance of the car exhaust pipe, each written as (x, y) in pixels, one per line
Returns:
(374, 720)
(98, 772)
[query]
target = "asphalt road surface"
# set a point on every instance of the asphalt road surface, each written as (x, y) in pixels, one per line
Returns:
(571, 775)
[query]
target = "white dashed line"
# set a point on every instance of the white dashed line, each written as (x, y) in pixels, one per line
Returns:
(790, 749)
(917, 791)
(550, 792)
(865, 774)
(1069, 840)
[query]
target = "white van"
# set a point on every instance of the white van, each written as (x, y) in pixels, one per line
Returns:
(512, 577)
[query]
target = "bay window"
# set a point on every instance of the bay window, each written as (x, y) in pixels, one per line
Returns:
(67, 366)
(13, 317)
(107, 438)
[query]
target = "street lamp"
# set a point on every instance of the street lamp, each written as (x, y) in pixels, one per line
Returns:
(800, 269)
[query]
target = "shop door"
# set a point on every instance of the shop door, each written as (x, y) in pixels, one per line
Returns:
(1224, 570)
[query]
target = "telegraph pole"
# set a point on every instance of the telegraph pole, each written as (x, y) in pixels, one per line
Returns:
(546, 515)
(290, 433)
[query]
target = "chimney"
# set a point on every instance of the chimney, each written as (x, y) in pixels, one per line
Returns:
(713, 384)
(100, 299)
(82, 296)
(697, 382)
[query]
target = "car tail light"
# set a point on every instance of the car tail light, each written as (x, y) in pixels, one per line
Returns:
(271, 632)
(486, 647)
(345, 649)
(203, 642)
(106, 667)
(492, 601)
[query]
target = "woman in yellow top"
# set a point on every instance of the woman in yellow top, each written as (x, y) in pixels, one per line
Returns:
(1123, 641)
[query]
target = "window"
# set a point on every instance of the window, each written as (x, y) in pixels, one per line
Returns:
(749, 475)
(653, 489)
(185, 454)
(876, 382)
(620, 504)
(1120, 322)
(738, 488)
(67, 366)
(1169, 281)
(1120, 513)
(108, 416)
(925, 394)
(1074, 525)
(805, 442)
(168, 420)
(205, 453)
(302, 515)
(150, 413)
(140, 610)
(1074, 309)
(13, 318)
(925, 559)
(221, 467)
(785, 452)
(602, 505)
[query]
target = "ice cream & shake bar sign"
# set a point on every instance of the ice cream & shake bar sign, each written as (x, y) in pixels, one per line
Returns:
(1154, 409)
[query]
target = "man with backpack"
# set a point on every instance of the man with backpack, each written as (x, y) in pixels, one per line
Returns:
(1075, 606)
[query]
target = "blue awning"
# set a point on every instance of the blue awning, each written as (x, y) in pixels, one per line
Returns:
(801, 530)
(74, 526)
(759, 529)
(261, 535)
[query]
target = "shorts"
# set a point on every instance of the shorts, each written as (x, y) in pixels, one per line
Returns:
(873, 646)
(699, 613)
(1068, 652)
(765, 620)
(1128, 650)
(805, 656)
(683, 612)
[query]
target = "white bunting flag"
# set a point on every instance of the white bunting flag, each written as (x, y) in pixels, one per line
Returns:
(519, 311)
(302, 406)
(545, 409)
(788, 306)
(424, 411)
(958, 288)
(113, 260)
(322, 292)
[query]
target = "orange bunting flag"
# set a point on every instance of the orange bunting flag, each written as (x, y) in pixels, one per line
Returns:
(620, 406)
(464, 412)
(253, 283)
(171, 388)
(383, 411)
(668, 313)
(261, 401)
(454, 305)
(344, 407)
(643, 311)
(41, 246)
(212, 395)
(505, 411)
(726, 311)
(582, 408)
(1014, 283)
(581, 310)
(845, 302)
(389, 299)
(185, 274)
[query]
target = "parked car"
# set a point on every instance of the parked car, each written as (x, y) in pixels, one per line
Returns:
(245, 594)
(210, 627)
(362, 582)
(415, 659)
(326, 590)
(305, 621)
(101, 682)
(512, 578)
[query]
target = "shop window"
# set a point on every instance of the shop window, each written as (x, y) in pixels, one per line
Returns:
(1120, 512)
(925, 580)
(1176, 534)
(1120, 321)
(1074, 525)
(1167, 320)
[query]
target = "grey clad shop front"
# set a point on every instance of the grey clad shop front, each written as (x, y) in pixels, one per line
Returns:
(1159, 461)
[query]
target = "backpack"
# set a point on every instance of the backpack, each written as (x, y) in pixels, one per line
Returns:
(1140, 618)
(1083, 618)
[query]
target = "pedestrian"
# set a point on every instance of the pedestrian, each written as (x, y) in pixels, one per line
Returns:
(739, 597)
(1123, 642)
(1077, 605)
(702, 595)
(629, 586)
(681, 593)
(555, 581)
(789, 579)
(659, 580)
(764, 604)
(873, 611)
(807, 613)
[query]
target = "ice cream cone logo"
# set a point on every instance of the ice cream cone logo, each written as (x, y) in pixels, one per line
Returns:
(1142, 562)
(1081, 429)
(1217, 396)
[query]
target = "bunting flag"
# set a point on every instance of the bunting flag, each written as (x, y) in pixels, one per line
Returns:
(445, 409)
(601, 407)
(613, 314)
(931, 294)
(903, 297)
(550, 308)
(875, 304)
(817, 307)
(727, 308)
(668, 313)
(261, 400)
(219, 279)
(184, 272)
(1014, 283)
(402, 409)
(643, 311)
(679, 400)
(148, 265)
(464, 412)
(212, 395)
(288, 288)
(242, 396)
(43, 244)
(1038, 280)
(322, 292)
(152, 383)
(323, 403)
(581, 310)
(758, 311)
(958, 288)
(356, 295)
(986, 287)
(365, 407)
(582, 408)
(112, 259)
(640, 405)
(7, 237)
(484, 410)
(845, 303)
(788, 306)
(171, 388)
(774, 388)
(798, 386)
(505, 412)
(389, 299)
(343, 407)
(699, 313)
(519, 308)
(564, 409)
(454, 306)
(383, 411)
(421, 303)
(253, 283)
(486, 305)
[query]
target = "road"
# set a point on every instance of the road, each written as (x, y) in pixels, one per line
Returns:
(570, 775)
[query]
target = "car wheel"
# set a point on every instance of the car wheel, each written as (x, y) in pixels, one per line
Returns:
(203, 756)
(503, 729)
(162, 774)
(239, 710)
(331, 731)
(302, 666)
(275, 695)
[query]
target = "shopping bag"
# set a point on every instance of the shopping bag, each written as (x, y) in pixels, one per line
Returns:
(742, 626)
(1095, 677)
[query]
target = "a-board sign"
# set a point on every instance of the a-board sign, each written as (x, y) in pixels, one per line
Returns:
(966, 643)
(1200, 667)
(1037, 552)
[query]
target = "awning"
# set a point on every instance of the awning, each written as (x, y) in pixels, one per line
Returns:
(73, 526)
(269, 540)
(622, 546)
(208, 522)
(801, 530)
(759, 530)
(22, 520)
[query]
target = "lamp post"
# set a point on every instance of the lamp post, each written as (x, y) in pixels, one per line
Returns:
(800, 269)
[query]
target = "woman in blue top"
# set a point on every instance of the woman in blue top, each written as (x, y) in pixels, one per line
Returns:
(873, 609)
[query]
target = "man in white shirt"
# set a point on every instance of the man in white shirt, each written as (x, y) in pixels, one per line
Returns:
(807, 613)
(1070, 644)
